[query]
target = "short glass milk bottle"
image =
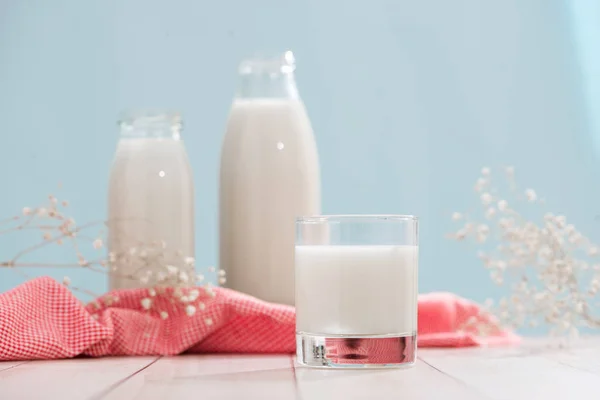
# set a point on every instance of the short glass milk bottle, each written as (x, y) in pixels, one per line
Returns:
(151, 204)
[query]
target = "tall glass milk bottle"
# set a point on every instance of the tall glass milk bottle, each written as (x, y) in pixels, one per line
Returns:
(269, 176)
(151, 205)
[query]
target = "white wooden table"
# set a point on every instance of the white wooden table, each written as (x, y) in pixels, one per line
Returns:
(531, 371)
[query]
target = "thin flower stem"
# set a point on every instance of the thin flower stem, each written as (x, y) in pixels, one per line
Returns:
(52, 240)
(84, 291)
(30, 227)
(11, 219)
(47, 265)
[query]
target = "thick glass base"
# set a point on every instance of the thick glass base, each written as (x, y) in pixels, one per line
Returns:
(356, 351)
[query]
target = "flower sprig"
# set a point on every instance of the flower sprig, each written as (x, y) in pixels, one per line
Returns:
(551, 268)
(148, 265)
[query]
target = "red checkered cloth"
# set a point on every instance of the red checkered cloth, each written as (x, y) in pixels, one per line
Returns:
(41, 319)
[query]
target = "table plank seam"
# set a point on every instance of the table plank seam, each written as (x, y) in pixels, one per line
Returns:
(115, 385)
(459, 381)
(298, 395)
(14, 366)
(571, 366)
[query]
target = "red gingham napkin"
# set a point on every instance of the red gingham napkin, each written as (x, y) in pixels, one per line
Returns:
(41, 319)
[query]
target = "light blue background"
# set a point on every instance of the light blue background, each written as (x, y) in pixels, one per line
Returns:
(408, 99)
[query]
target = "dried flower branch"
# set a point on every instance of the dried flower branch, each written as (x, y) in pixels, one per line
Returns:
(164, 281)
(552, 269)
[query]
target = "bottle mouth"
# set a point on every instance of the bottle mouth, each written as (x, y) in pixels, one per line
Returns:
(283, 63)
(151, 123)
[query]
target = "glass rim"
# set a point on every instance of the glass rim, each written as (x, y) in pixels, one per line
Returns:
(284, 62)
(356, 217)
(129, 116)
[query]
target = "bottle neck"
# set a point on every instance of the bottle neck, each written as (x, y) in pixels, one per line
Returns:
(151, 125)
(267, 78)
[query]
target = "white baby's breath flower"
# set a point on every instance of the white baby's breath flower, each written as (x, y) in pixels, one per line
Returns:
(164, 315)
(189, 261)
(486, 199)
(47, 236)
(65, 203)
(480, 184)
(211, 269)
(222, 280)
(146, 303)
(461, 234)
(502, 205)
(183, 276)
(575, 238)
(456, 216)
(172, 270)
(190, 310)
(530, 195)
(208, 321)
(66, 281)
(199, 278)
(151, 292)
(540, 261)
(41, 212)
(489, 214)
(97, 244)
(201, 306)
(483, 229)
(485, 171)
(27, 211)
(193, 294)
(222, 272)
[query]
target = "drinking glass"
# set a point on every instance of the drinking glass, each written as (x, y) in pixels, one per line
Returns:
(356, 290)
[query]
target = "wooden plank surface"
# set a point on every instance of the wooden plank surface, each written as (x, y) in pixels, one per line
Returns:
(585, 357)
(517, 373)
(83, 378)
(212, 377)
(419, 382)
(530, 371)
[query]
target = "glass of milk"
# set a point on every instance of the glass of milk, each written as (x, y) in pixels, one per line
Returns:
(356, 290)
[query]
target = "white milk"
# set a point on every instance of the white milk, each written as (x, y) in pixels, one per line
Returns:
(356, 290)
(150, 204)
(269, 176)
